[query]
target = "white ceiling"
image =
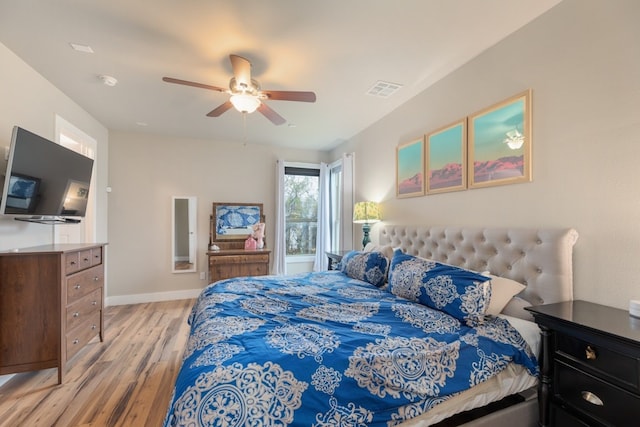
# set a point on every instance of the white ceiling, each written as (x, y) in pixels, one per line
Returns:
(336, 48)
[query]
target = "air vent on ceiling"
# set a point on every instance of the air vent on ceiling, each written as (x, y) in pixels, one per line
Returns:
(81, 47)
(383, 89)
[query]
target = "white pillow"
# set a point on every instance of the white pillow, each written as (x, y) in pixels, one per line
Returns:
(502, 290)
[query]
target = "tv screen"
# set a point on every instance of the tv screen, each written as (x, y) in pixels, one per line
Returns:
(44, 178)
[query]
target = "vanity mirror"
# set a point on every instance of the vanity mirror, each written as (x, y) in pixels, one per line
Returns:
(234, 221)
(183, 237)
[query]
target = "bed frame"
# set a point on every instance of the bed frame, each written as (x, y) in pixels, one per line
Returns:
(540, 258)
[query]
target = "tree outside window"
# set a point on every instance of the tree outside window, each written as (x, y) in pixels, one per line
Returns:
(301, 191)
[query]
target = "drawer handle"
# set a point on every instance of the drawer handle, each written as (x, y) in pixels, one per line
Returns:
(76, 314)
(93, 327)
(76, 341)
(94, 302)
(592, 398)
(77, 286)
(72, 263)
(86, 259)
(95, 279)
(590, 352)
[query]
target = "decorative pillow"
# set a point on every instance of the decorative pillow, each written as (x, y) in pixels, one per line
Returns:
(387, 250)
(502, 290)
(460, 293)
(367, 266)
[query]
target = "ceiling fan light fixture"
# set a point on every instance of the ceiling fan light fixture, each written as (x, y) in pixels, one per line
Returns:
(245, 103)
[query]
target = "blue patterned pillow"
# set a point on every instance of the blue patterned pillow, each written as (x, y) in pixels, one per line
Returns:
(366, 266)
(461, 293)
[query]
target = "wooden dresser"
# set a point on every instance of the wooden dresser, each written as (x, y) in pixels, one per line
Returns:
(51, 305)
(227, 263)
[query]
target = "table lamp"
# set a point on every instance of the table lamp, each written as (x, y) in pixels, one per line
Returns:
(366, 213)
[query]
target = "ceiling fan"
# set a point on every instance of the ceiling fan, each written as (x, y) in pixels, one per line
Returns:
(246, 95)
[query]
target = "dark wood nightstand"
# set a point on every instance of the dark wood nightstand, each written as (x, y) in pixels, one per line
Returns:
(589, 365)
(334, 258)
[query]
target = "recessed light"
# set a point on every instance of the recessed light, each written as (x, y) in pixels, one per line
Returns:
(142, 123)
(81, 47)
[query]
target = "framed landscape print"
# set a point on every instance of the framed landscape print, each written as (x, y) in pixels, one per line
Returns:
(446, 155)
(410, 169)
(500, 143)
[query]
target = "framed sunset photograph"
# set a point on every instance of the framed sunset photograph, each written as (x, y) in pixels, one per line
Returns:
(500, 143)
(410, 169)
(446, 158)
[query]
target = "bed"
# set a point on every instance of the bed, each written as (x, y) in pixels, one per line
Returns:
(365, 346)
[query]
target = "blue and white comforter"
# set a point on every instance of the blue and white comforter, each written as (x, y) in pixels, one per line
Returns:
(321, 349)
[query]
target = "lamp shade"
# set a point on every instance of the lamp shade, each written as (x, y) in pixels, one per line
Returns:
(245, 103)
(366, 213)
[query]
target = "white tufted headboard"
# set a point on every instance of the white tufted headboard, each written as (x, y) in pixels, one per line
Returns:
(539, 258)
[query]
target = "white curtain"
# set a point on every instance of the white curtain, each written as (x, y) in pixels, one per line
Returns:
(348, 199)
(279, 245)
(323, 236)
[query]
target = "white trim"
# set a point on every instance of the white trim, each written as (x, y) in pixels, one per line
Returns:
(153, 297)
(5, 378)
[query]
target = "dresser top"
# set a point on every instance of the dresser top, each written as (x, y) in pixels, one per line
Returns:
(52, 248)
(613, 321)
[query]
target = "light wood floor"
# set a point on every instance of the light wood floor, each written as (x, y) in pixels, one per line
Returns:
(124, 381)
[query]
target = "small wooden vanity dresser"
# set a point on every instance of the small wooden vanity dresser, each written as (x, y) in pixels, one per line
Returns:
(51, 305)
(229, 226)
(227, 263)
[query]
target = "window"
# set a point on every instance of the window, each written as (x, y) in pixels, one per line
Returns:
(335, 205)
(301, 191)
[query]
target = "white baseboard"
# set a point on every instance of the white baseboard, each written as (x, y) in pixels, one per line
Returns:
(153, 297)
(5, 378)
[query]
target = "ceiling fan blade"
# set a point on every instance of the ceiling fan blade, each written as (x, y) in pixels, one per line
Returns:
(287, 95)
(241, 69)
(194, 84)
(270, 114)
(217, 112)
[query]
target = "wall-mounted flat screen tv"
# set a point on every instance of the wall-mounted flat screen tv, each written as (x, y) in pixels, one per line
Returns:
(44, 179)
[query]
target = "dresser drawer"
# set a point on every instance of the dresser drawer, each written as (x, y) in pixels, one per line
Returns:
(602, 401)
(83, 283)
(239, 259)
(562, 418)
(96, 256)
(79, 336)
(81, 309)
(72, 262)
(621, 369)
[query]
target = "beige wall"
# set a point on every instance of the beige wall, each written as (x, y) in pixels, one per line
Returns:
(582, 61)
(30, 101)
(147, 170)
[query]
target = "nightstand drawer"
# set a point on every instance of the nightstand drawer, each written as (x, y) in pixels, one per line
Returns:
(588, 394)
(561, 418)
(622, 369)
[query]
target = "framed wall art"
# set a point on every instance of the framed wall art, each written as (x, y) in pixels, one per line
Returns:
(410, 169)
(499, 143)
(446, 158)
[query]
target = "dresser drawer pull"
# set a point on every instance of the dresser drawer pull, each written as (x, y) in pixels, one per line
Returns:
(86, 259)
(77, 286)
(95, 279)
(76, 341)
(590, 352)
(94, 302)
(93, 327)
(76, 314)
(72, 263)
(592, 398)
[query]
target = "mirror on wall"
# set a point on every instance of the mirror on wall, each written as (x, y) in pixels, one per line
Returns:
(184, 241)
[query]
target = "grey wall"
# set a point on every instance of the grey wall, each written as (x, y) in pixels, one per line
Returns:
(30, 101)
(145, 171)
(582, 61)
